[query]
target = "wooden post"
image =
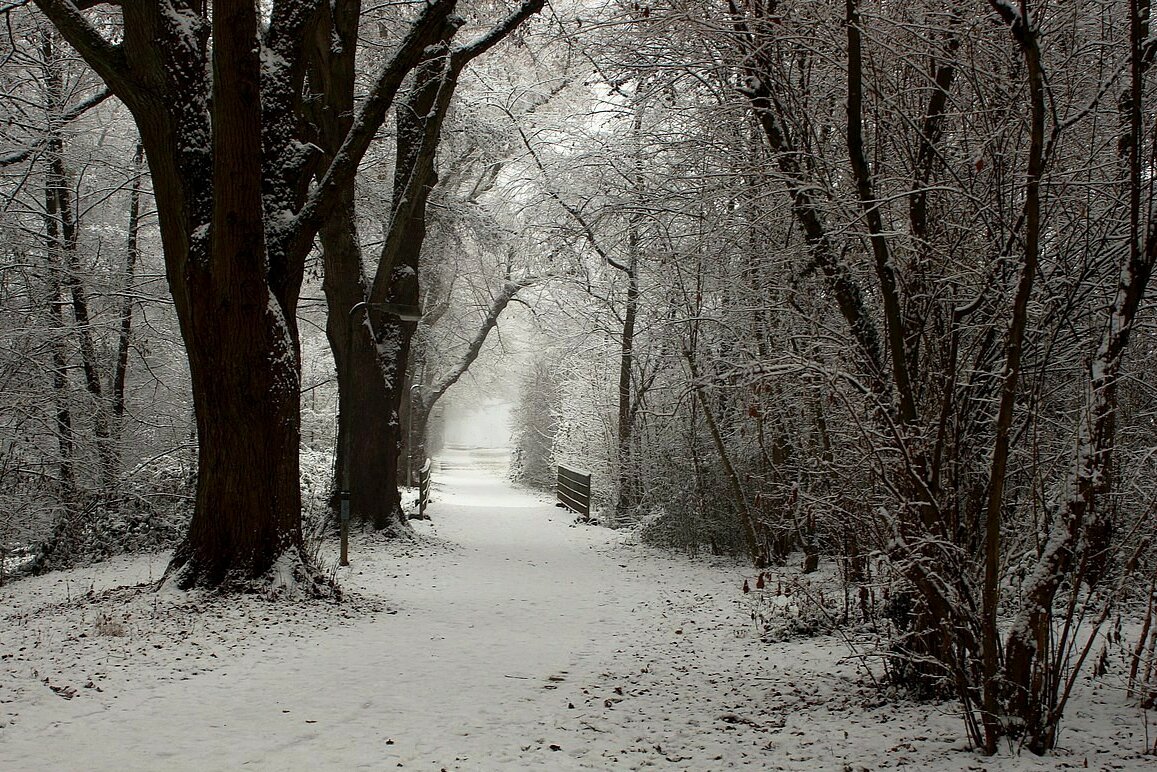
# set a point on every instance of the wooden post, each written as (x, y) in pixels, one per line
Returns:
(424, 487)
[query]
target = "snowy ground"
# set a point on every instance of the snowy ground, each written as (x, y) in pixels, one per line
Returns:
(505, 637)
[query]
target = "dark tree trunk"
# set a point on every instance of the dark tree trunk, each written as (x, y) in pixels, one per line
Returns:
(60, 382)
(419, 122)
(61, 391)
(1026, 36)
(242, 353)
(363, 400)
(248, 509)
(628, 476)
(384, 452)
(895, 333)
(125, 336)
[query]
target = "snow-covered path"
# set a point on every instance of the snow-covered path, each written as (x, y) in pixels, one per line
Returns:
(506, 638)
(493, 618)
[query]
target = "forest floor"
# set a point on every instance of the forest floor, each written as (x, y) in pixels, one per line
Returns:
(505, 637)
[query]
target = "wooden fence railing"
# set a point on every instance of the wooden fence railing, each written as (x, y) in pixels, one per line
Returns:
(574, 490)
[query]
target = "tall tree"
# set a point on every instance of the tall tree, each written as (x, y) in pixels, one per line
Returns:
(371, 342)
(217, 97)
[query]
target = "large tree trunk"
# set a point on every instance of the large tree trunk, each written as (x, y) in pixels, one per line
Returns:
(393, 337)
(364, 406)
(367, 444)
(248, 509)
(242, 351)
(419, 122)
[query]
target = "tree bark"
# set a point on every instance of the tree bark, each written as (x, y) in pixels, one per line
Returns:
(363, 401)
(1077, 519)
(61, 390)
(885, 269)
(246, 384)
(419, 121)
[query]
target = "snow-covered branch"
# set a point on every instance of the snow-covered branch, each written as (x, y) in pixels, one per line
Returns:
(509, 290)
(424, 31)
(107, 59)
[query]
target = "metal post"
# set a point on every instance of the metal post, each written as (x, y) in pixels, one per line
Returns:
(347, 461)
(345, 528)
(410, 439)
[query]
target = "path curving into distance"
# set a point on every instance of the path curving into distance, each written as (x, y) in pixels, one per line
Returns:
(504, 610)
